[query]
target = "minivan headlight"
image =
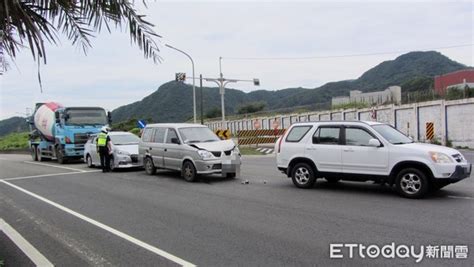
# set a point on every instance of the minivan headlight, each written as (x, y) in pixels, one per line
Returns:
(236, 150)
(438, 157)
(205, 154)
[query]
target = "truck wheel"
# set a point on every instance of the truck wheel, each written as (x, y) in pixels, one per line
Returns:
(412, 183)
(60, 156)
(38, 154)
(34, 153)
(303, 176)
(189, 171)
(149, 166)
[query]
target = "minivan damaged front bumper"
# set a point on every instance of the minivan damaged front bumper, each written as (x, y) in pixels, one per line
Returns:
(222, 165)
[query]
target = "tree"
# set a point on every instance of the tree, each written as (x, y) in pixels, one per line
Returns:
(251, 108)
(32, 22)
(213, 113)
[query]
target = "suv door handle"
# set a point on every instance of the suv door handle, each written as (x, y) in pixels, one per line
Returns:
(310, 148)
(348, 150)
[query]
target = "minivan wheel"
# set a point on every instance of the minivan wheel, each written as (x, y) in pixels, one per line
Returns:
(189, 171)
(303, 175)
(412, 183)
(149, 166)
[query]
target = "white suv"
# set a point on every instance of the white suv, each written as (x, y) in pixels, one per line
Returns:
(362, 151)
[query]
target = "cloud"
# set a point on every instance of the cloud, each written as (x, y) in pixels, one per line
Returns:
(114, 72)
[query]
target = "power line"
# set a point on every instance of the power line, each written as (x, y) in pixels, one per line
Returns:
(341, 56)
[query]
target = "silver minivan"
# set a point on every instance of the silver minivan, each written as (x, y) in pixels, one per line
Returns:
(192, 149)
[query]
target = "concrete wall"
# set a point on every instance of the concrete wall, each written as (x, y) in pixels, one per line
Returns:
(453, 120)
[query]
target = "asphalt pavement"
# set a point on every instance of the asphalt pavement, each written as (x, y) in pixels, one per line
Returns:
(76, 216)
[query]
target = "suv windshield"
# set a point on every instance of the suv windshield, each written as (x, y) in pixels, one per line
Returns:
(82, 116)
(197, 135)
(124, 139)
(391, 134)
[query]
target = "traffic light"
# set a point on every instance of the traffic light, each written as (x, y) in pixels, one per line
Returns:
(256, 82)
(180, 77)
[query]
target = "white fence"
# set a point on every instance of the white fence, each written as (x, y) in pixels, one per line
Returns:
(453, 120)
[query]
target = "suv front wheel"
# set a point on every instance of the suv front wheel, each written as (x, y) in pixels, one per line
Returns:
(303, 175)
(412, 183)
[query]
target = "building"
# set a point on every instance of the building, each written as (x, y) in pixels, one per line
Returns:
(392, 94)
(457, 79)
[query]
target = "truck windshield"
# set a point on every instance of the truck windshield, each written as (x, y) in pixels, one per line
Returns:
(197, 135)
(124, 139)
(84, 116)
(391, 134)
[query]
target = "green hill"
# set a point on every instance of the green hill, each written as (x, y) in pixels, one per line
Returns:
(172, 102)
(12, 125)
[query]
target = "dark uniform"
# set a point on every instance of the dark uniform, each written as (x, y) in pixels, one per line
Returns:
(103, 149)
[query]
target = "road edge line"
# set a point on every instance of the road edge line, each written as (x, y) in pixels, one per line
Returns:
(54, 166)
(31, 252)
(107, 228)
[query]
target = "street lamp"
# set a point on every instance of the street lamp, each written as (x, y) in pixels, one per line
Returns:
(194, 87)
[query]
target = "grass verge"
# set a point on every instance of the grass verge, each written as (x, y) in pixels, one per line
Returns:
(250, 151)
(14, 141)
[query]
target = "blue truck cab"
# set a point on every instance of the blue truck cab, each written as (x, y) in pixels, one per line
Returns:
(61, 133)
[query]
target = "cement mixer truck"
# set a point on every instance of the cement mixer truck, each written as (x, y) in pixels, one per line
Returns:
(60, 133)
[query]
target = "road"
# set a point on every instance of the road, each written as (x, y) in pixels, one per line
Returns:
(75, 216)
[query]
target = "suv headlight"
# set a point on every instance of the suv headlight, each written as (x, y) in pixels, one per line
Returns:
(440, 157)
(205, 154)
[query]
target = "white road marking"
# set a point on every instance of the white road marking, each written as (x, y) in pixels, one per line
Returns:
(31, 252)
(109, 229)
(44, 175)
(54, 166)
(461, 197)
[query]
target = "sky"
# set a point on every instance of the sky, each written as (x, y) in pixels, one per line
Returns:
(115, 73)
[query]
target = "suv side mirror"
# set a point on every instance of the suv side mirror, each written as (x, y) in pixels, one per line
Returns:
(175, 140)
(374, 143)
(109, 117)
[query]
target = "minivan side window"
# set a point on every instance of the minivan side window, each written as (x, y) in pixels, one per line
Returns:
(297, 133)
(147, 135)
(327, 136)
(171, 134)
(357, 137)
(159, 135)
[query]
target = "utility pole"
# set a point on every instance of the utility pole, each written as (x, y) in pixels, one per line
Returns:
(222, 82)
(202, 104)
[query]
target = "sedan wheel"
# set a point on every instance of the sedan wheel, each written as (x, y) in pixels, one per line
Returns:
(89, 161)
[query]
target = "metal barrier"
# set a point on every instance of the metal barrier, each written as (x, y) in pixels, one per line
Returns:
(250, 137)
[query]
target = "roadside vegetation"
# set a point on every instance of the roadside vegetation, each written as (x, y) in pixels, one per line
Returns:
(14, 141)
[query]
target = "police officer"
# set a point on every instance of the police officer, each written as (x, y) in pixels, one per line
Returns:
(103, 146)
